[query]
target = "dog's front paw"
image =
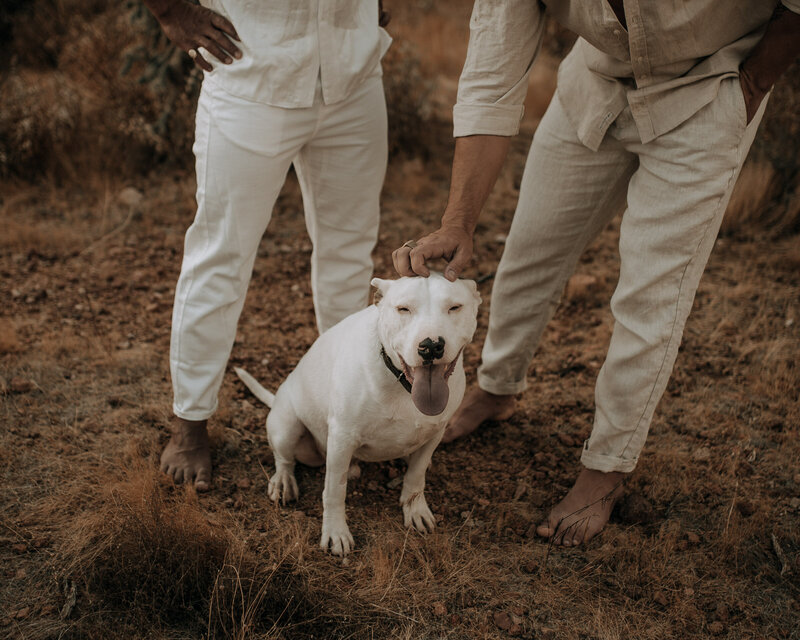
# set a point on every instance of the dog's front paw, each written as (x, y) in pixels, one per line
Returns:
(336, 535)
(283, 487)
(417, 514)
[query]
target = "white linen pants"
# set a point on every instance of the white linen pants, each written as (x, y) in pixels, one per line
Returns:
(676, 189)
(243, 151)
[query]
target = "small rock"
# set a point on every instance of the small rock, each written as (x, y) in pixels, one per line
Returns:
(372, 485)
(483, 502)
(20, 547)
(20, 385)
(546, 633)
(502, 620)
(797, 478)
(243, 483)
(716, 627)
(688, 592)
(20, 573)
(692, 537)
(703, 454)
(394, 482)
(794, 503)
(153, 306)
(515, 629)
(22, 613)
(566, 440)
(580, 286)
(439, 609)
(130, 197)
(540, 457)
(517, 611)
(661, 598)
(531, 566)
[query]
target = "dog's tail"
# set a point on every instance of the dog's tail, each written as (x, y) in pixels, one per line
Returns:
(266, 396)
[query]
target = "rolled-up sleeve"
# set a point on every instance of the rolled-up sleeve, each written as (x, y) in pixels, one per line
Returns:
(505, 36)
(792, 5)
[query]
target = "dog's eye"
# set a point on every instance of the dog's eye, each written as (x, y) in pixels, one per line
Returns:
(455, 307)
(403, 310)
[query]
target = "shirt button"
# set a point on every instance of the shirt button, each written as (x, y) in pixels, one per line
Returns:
(616, 32)
(640, 59)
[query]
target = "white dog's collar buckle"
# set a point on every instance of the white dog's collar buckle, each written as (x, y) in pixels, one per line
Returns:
(397, 373)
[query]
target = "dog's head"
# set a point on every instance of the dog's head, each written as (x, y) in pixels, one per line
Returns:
(424, 325)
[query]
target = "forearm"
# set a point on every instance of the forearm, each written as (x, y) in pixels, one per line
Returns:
(477, 162)
(776, 50)
(160, 7)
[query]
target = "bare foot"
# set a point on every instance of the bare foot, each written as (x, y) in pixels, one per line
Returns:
(585, 510)
(478, 406)
(187, 456)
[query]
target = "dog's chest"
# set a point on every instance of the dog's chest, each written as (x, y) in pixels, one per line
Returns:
(394, 438)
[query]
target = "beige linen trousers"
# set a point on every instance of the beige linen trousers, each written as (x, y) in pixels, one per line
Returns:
(244, 150)
(674, 191)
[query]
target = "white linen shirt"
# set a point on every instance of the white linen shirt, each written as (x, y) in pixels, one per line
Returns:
(666, 65)
(290, 47)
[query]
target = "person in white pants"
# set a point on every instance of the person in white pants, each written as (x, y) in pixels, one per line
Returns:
(300, 84)
(655, 111)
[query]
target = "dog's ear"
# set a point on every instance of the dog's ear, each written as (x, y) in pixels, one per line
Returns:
(473, 288)
(381, 286)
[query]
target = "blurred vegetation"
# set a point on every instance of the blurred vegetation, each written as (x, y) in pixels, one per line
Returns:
(94, 85)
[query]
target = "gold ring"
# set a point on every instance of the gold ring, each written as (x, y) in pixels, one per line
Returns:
(410, 244)
(192, 53)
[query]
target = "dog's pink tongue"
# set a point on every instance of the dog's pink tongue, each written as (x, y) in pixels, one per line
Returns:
(429, 391)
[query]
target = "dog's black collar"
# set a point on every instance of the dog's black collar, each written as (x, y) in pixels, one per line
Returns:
(401, 377)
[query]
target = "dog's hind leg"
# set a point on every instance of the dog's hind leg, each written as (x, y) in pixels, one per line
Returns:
(416, 512)
(284, 432)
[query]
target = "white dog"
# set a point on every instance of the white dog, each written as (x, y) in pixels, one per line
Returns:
(379, 385)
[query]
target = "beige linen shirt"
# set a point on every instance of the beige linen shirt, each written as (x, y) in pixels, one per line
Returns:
(289, 45)
(666, 65)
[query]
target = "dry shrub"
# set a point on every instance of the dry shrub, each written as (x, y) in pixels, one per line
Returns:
(408, 100)
(148, 557)
(774, 151)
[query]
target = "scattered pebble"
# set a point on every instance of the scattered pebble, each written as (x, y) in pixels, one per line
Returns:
(580, 286)
(20, 547)
(566, 439)
(244, 483)
(20, 385)
(502, 620)
(20, 573)
(130, 197)
(716, 627)
(702, 455)
(22, 613)
(531, 566)
(439, 609)
(661, 598)
(692, 537)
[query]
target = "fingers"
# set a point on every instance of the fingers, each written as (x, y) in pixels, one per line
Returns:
(215, 49)
(458, 263)
(402, 262)
(223, 24)
(418, 256)
(200, 61)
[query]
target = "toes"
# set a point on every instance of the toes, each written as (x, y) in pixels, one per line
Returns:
(178, 475)
(202, 481)
(544, 530)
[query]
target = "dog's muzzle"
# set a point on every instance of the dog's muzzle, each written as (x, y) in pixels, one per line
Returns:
(429, 350)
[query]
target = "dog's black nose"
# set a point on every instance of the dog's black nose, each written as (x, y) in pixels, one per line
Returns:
(430, 350)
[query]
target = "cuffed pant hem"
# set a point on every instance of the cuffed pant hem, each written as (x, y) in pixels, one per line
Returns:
(501, 388)
(193, 416)
(606, 464)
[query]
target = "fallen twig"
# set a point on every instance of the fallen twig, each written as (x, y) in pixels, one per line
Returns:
(786, 567)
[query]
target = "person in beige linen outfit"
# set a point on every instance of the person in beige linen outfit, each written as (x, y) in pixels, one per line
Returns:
(286, 83)
(656, 108)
